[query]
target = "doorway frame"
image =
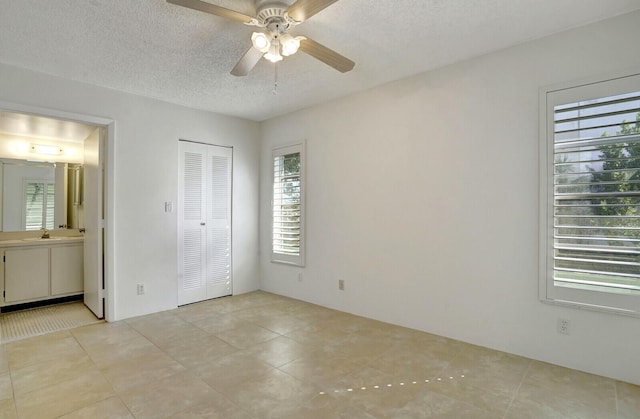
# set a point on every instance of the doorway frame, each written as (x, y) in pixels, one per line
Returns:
(108, 182)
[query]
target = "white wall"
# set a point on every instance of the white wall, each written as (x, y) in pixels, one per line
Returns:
(423, 196)
(146, 175)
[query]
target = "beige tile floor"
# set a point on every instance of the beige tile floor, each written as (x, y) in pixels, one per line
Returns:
(260, 355)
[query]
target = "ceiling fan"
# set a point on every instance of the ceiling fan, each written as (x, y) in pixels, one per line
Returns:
(273, 41)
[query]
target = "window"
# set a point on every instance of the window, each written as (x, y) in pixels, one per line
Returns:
(39, 201)
(590, 195)
(287, 243)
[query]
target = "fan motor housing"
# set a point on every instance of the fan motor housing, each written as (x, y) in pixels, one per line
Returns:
(270, 11)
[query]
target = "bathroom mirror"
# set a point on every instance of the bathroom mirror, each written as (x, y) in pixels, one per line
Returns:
(38, 195)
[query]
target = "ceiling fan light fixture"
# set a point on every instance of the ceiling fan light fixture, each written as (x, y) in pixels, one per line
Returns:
(274, 53)
(261, 41)
(290, 44)
(272, 41)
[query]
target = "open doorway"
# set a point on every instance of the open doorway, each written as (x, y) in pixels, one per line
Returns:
(75, 204)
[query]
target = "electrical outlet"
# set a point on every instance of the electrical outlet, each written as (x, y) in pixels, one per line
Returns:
(563, 326)
(140, 289)
(299, 276)
(341, 284)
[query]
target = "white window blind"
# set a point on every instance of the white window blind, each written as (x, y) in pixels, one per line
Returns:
(288, 205)
(593, 249)
(39, 202)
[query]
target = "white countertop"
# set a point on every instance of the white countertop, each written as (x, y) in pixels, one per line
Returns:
(37, 241)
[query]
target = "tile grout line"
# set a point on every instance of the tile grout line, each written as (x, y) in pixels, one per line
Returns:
(125, 405)
(452, 360)
(615, 392)
(99, 371)
(515, 393)
(13, 390)
(9, 371)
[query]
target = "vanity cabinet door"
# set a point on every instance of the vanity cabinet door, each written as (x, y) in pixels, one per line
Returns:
(26, 274)
(67, 270)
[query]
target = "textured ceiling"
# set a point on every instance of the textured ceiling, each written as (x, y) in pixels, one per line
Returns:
(159, 50)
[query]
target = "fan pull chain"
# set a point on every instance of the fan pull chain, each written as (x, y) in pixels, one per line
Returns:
(275, 83)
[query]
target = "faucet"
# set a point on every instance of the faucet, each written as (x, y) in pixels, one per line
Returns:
(45, 234)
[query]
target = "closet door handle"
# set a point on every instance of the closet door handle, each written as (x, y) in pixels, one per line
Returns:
(202, 224)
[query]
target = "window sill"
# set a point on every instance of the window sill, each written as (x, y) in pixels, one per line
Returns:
(591, 307)
(285, 262)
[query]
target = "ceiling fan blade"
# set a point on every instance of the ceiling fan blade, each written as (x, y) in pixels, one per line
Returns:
(302, 10)
(212, 9)
(326, 55)
(247, 62)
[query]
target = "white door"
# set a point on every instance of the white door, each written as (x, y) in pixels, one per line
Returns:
(93, 222)
(204, 216)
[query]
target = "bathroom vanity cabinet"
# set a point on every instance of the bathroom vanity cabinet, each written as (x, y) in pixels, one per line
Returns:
(36, 270)
(66, 269)
(26, 273)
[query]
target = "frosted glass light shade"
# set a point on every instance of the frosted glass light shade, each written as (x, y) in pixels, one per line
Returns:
(290, 44)
(261, 41)
(274, 54)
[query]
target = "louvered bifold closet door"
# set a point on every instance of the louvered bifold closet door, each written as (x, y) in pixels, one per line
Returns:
(204, 249)
(219, 222)
(192, 228)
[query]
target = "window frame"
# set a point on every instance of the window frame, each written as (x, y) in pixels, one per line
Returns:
(549, 97)
(279, 151)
